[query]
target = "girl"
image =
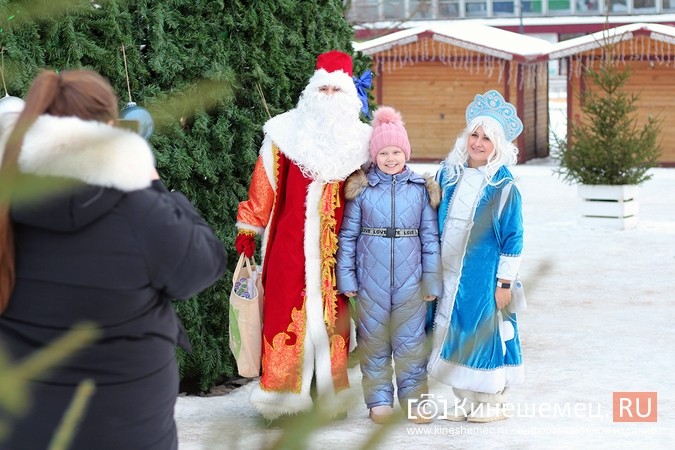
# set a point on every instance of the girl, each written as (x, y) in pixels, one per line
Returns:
(389, 255)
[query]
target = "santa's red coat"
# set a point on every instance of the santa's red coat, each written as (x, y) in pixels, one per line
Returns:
(306, 324)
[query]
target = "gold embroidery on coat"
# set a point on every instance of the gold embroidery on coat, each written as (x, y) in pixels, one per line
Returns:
(266, 194)
(338, 358)
(283, 363)
(275, 163)
(330, 200)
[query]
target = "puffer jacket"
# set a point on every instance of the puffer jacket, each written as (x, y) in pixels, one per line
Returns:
(390, 275)
(376, 264)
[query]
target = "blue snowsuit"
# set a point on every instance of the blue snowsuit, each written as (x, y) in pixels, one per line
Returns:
(390, 275)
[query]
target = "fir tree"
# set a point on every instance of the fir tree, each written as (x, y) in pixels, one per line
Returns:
(211, 73)
(608, 146)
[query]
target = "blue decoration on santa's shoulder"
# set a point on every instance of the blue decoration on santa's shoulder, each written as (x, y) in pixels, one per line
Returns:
(363, 83)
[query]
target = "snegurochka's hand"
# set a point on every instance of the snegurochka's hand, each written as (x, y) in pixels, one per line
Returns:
(350, 294)
(429, 298)
(502, 297)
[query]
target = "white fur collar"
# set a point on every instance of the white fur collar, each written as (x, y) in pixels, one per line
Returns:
(89, 151)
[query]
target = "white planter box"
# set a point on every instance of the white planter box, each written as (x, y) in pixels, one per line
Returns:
(608, 206)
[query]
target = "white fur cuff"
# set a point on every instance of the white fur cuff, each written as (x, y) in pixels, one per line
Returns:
(508, 267)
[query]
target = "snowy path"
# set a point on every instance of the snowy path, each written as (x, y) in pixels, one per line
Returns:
(601, 319)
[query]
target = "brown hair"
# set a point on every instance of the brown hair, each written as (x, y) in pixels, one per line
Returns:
(79, 93)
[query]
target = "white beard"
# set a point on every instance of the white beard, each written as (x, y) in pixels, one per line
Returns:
(323, 135)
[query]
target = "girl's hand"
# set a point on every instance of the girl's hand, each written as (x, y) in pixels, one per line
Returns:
(429, 298)
(350, 294)
(502, 297)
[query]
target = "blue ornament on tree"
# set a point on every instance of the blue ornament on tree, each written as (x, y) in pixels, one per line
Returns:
(136, 113)
(145, 123)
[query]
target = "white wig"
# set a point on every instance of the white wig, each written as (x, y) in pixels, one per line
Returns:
(504, 154)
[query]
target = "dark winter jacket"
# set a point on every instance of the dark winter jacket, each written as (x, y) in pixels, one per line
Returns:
(114, 249)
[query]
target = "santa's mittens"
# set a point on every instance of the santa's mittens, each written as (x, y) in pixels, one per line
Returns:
(245, 243)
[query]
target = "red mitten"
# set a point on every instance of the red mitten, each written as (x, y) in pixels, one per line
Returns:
(245, 243)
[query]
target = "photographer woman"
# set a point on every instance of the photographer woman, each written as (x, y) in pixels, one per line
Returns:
(114, 248)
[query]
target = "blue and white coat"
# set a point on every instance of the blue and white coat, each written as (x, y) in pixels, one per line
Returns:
(476, 347)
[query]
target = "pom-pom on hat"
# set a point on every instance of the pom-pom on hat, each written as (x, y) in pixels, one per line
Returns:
(492, 104)
(388, 130)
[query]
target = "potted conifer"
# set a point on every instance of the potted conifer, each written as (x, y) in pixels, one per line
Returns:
(606, 152)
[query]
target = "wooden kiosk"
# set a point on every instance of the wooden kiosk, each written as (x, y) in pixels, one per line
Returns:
(648, 50)
(431, 74)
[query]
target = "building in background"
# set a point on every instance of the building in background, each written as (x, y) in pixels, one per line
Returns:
(552, 20)
(423, 78)
(648, 51)
(432, 74)
(566, 18)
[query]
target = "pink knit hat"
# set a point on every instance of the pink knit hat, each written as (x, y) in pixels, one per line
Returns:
(388, 130)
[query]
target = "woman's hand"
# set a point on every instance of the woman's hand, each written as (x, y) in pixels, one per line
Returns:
(350, 294)
(502, 297)
(429, 298)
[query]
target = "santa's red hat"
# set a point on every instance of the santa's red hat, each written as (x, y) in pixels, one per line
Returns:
(334, 68)
(335, 60)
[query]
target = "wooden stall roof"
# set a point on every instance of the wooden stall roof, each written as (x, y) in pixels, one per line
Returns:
(480, 38)
(513, 46)
(657, 32)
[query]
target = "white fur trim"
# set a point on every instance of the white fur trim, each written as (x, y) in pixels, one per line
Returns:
(267, 156)
(272, 405)
(89, 151)
(246, 226)
(280, 129)
(508, 267)
(334, 404)
(263, 245)
(338, 79)
(316, 327)
(488, 381)
(352, 335)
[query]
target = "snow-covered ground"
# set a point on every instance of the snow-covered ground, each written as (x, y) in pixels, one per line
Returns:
(601, 319)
